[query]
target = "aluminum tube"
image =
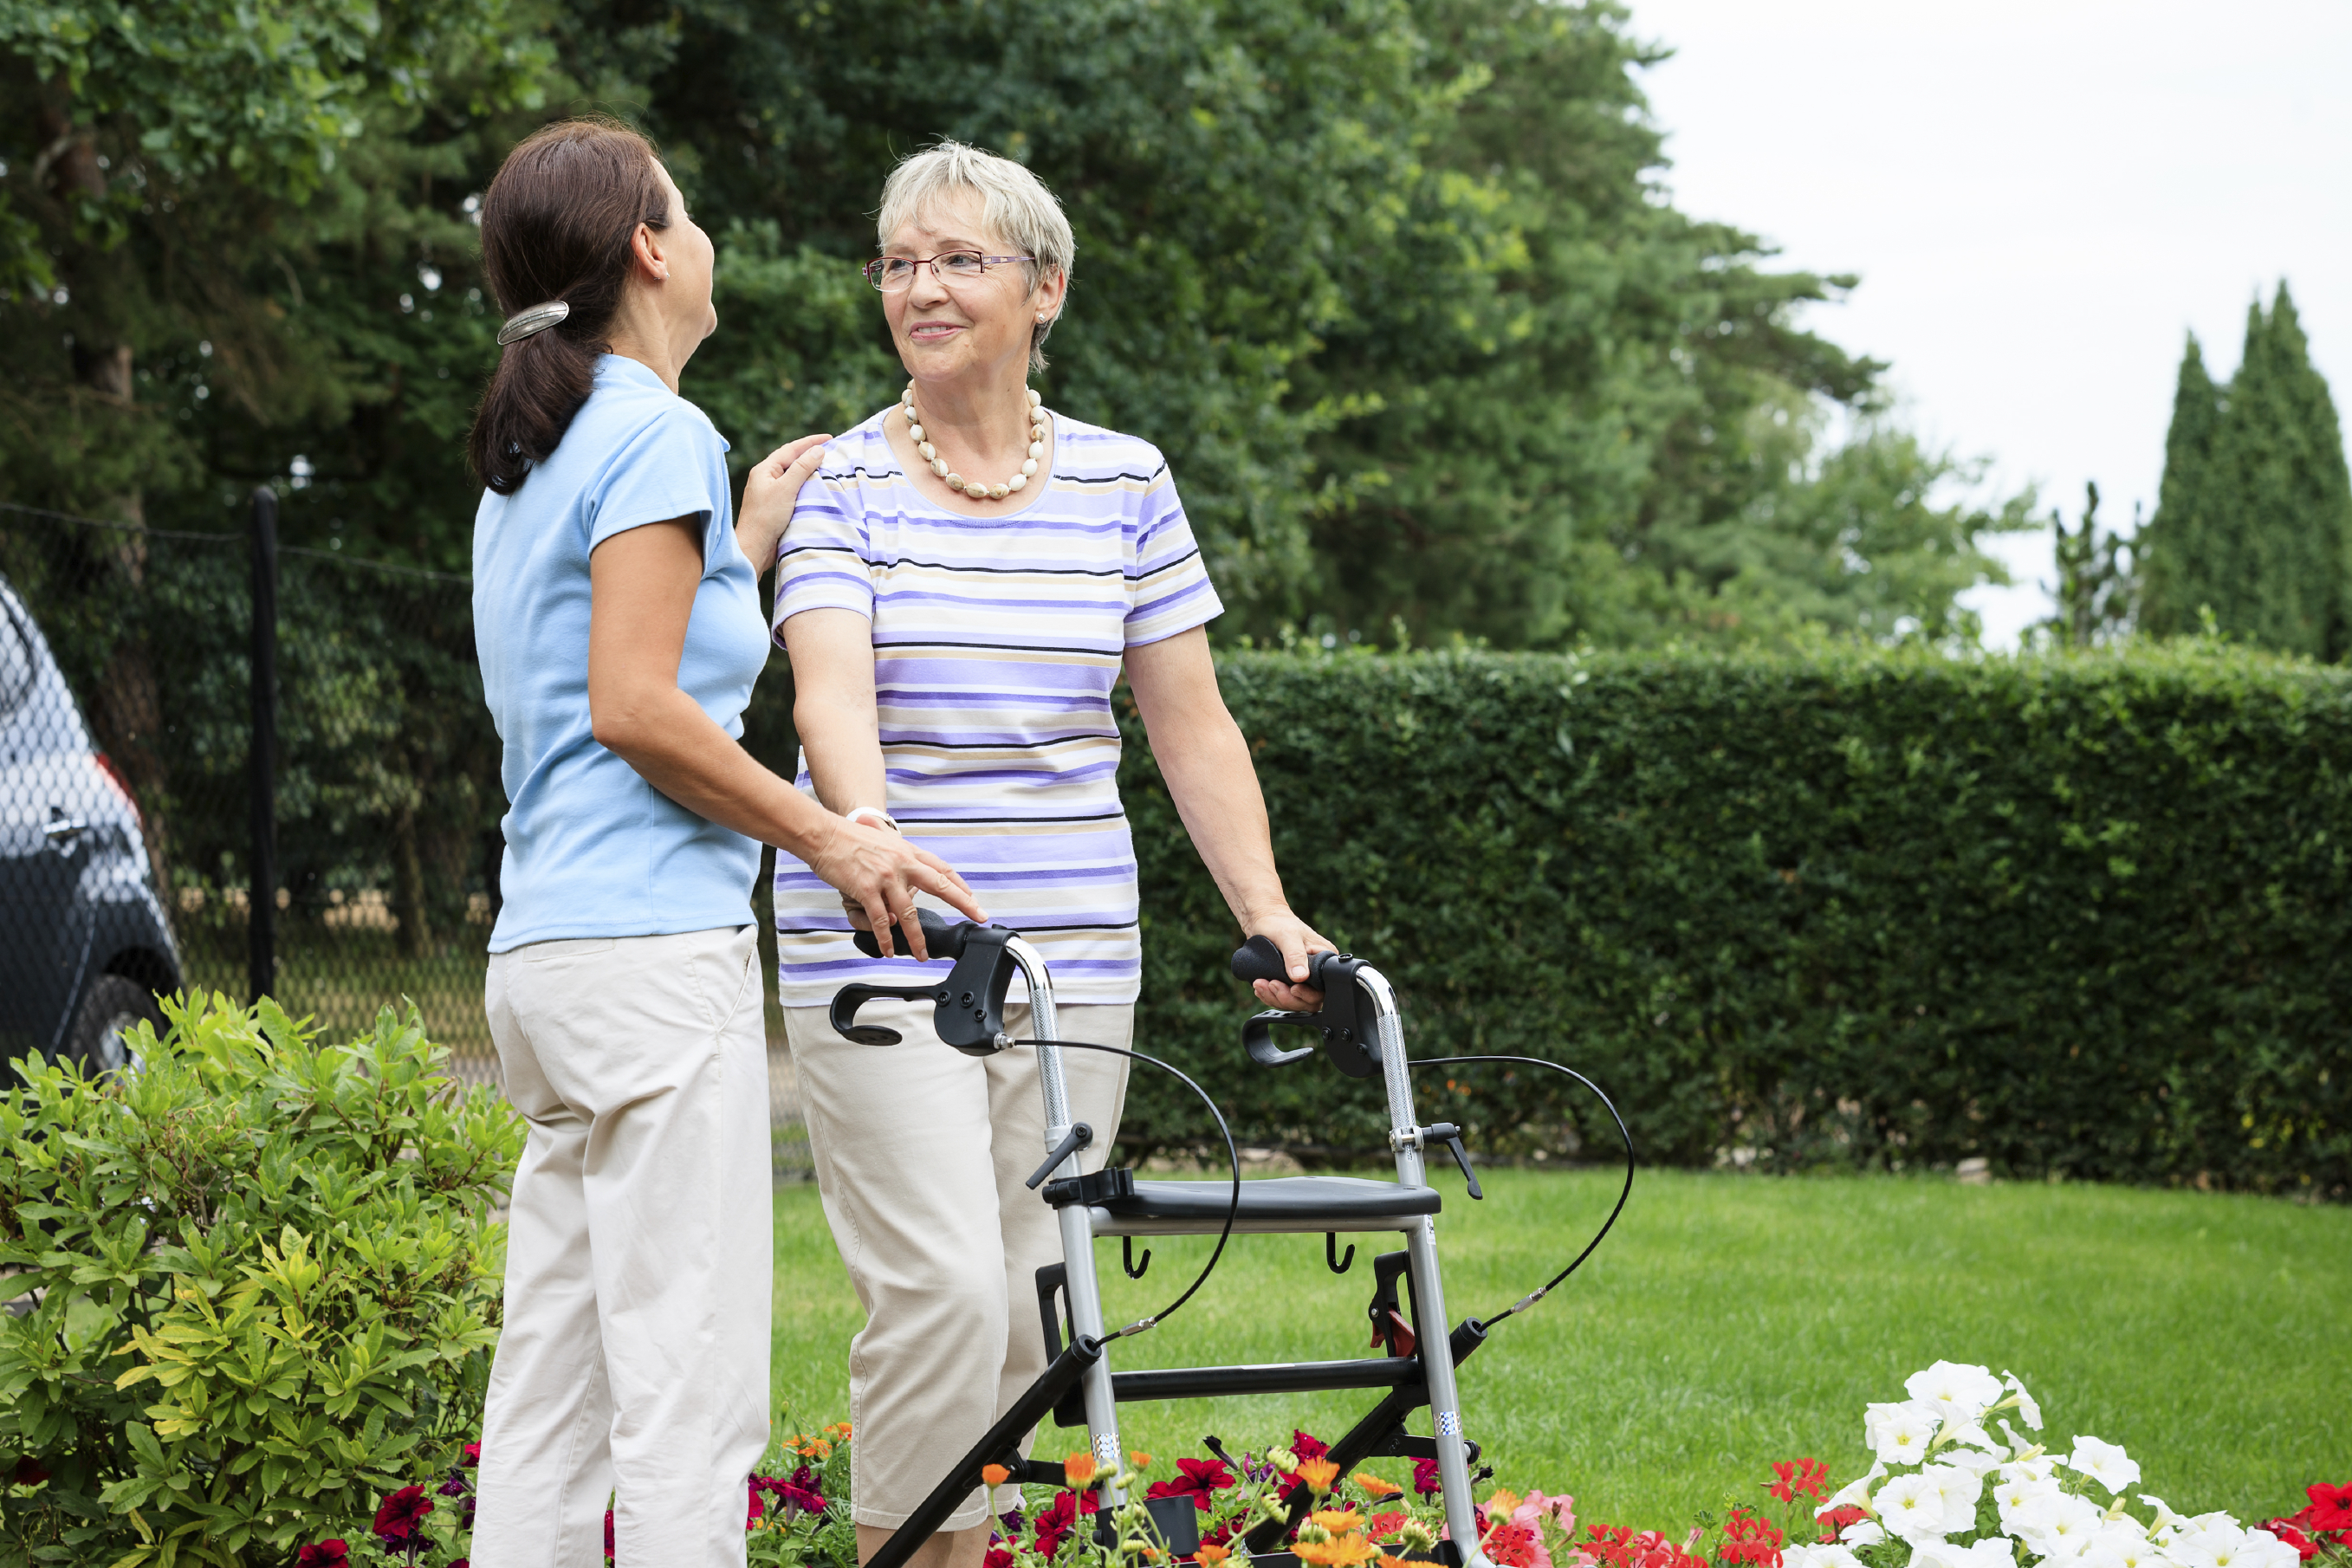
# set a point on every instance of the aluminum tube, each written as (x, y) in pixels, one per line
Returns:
(1085, 1292)
(1444, 1398)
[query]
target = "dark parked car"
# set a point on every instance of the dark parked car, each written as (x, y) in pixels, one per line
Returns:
(84, 944)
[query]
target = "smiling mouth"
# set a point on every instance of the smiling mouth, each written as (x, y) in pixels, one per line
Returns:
(923, 330)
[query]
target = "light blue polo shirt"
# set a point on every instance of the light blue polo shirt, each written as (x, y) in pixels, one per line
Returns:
(594, 850)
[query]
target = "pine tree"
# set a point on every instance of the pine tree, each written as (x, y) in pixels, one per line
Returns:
(2254, 518)
(2177, 549)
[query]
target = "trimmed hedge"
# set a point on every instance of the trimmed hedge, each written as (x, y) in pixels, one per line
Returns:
(2080, 915)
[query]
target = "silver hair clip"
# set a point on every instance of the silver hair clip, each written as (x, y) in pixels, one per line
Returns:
(538, 319)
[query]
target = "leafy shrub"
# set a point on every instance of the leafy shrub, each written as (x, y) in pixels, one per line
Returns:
(257, 1282)
(2087, 914)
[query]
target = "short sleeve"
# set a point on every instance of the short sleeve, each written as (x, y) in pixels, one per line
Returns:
(1168, 586)
(826, 560)
(674, 465)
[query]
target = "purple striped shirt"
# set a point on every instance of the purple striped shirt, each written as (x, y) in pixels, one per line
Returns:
(997, 641)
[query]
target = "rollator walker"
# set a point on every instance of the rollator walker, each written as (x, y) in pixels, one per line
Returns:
(1361, 1032)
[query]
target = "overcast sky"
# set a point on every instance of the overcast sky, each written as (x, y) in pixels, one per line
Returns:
(2042, 199)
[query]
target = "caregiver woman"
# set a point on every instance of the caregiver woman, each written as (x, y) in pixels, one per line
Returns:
(619, 629)
(959, 589)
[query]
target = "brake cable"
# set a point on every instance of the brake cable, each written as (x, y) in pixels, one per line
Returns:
(1232, 1205)
(1540, 1291)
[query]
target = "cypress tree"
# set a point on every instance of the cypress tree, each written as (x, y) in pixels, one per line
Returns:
(2175, 550)
(2254, 518)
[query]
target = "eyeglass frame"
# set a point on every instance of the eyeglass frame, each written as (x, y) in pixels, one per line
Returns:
(873, 277)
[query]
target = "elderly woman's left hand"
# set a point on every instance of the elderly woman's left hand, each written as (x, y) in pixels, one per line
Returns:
(1296, 939)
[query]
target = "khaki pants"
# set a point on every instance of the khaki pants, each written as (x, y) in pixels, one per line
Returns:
(638, 1253)
(920, 1154)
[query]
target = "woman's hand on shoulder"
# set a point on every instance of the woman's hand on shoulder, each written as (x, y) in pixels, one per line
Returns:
(877, 874)
(769, 491)
(1296, 939)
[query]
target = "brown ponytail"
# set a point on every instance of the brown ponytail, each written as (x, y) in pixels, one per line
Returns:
(556, 225)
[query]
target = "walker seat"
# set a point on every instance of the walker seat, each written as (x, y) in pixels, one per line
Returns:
(1277, 1206)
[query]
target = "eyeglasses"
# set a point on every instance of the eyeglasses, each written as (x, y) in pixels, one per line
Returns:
(892, 273)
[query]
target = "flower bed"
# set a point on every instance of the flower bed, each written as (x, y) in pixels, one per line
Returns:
(1942, 1490)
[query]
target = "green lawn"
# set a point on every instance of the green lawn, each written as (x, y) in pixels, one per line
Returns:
(1733, 1321)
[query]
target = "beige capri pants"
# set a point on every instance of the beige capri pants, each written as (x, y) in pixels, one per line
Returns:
(920, 1154)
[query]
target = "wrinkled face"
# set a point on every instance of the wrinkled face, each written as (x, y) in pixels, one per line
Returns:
(687, 253)
(946, 327)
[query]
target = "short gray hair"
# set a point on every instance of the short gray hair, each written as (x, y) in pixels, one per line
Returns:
(1015, 204)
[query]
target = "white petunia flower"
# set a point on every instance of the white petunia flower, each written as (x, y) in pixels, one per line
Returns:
(2266, 1550)
(2023, 1447)
(1977, 1462)
(1992, 1552)
(2104, 1463)
(2131, 1547)
(1960, 1490)
(2013, 1494)
(2038, 1468)
(2166, 1520)
(1857, 1492)
(2216, 1541)
(1960, 1394)
(1862, 1532)
(2056, 1526)
(2025, 1405)
(1912, 1508)
(1901, 1434)
(1830, 1555)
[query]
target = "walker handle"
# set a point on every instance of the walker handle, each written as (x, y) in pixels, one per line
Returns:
(1344, 1021)
(968, 1003)
(941, 939)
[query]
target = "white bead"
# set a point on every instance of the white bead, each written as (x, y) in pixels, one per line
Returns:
(998, 492)
(1036, 448)
(927, 450)
(916, 431)
(1018, 481)
(1029, 466)
(1036, 397)
(940, 467)
(976, 490)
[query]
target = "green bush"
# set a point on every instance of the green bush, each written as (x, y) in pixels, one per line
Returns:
(257, 1285)
(2084, 915)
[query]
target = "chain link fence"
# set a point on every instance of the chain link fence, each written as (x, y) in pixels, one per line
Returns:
(304, 802)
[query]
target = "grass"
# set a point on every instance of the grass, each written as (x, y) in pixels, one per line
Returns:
(1732, 1321)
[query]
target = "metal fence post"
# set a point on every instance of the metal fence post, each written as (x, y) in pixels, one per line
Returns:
(261, 914)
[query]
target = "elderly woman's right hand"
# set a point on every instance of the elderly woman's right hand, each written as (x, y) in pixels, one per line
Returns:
(878, 874)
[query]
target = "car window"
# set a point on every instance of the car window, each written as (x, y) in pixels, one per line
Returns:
(15, 659)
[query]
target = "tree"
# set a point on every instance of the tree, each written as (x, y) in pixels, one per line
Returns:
(2095, 580)
(2258, 522)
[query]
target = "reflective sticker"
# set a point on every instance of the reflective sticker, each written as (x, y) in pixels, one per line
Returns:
(1449, 1423)
(1107, 1449)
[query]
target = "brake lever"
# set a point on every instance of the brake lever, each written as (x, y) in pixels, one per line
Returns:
(1446, 1132)
(1257, 1035)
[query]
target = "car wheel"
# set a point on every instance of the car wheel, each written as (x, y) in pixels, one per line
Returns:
(114, 1005)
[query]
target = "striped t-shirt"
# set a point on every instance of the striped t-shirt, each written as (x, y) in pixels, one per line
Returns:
(997, 640)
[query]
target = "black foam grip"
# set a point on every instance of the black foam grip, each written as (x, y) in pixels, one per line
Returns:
(1259, 959)
(943, 940)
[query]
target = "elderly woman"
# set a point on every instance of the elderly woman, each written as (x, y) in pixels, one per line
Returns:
(960, 588)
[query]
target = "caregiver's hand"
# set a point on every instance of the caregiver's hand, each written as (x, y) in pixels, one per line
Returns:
(769, 491)
(878, 875)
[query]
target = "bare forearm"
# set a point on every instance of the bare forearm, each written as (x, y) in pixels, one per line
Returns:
(844, 754)
(670, 740)
(1210, 778)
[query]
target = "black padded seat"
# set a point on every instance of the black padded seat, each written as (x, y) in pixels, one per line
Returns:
(1277, 1204)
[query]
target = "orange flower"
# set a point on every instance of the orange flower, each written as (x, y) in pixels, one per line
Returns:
(1140, 1461)
(995, 1474)
(1502, 1505)
(1212, 1552)
(1374, 1485)
(1339, 1551)
(1389, 1561)
(1078, 1468)
(1338, 1521)
(1318, 1475)
(839, 1429)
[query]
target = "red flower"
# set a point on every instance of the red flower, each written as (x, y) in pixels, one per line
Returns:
(2331, 1507)
(1201, 1478)
(1748, 1538)
(397, 1520)
(323, 1554)
(608, 1535)
(1307, 1445)
(1054, 1525)
(1804, 1478)
(28, 1473)
(2305, 1547)
(1511, 1546)
(998, 1557)
(1425, 1477)
(473, 1457)
(1384, 1525)
(1834, 1519)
